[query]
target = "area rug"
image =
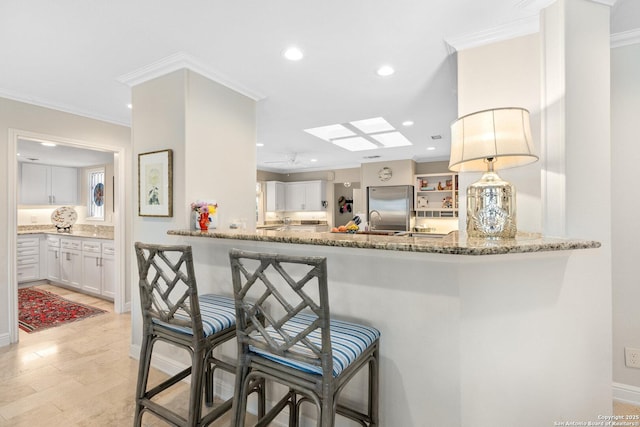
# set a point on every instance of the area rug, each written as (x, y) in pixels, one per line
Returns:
(39, 309)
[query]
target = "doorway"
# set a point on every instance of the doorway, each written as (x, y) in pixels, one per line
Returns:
(117, 154)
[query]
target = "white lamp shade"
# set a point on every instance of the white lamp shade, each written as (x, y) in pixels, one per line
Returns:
(503, 134)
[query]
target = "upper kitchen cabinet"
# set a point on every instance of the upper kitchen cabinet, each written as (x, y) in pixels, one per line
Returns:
(295, 196)
(305, 196)
(276, 196)
(48, 185)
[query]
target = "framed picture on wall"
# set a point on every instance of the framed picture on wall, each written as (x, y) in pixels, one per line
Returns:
(155, 183)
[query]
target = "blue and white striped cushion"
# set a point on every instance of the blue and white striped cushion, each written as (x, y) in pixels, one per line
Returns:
(218, 313)
(348, 342)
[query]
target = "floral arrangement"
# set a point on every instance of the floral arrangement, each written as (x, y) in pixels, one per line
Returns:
(204, 211)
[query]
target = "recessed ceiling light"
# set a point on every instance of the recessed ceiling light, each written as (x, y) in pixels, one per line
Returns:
(377, 124)
(314, 160)
(48, 144)
(18, 154)
(330, 132)
(407, 123)
(293, 54)
(391, 139)
(385, 70)
(431, 148)
(130, 106)
(259, 144)
(356, 143)
(436, 136)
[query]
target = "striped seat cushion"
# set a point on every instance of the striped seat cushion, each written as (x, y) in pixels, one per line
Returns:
(218, 313)
(348, 342)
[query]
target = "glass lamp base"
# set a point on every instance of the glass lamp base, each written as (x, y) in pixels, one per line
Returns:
(491, 208)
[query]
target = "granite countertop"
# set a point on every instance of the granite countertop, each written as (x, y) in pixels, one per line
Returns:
(98, 232)
(453, 244)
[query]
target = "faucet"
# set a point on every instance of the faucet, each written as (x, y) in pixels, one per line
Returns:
(373, 227)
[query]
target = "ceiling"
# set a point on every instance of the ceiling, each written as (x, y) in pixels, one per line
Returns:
(71, 55)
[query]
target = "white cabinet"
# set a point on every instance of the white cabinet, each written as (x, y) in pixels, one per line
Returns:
(295, 196)
(436, 195)
(91, 268)
(108, 270)
(98, 268)
(82, 263)
(28, 258)
(275, 196)
(53, 258)
(48, 185)
(70, 262)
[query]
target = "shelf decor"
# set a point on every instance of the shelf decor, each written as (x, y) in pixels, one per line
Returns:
(155, 184)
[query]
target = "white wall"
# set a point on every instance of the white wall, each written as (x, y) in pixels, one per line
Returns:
(505, 74)
(625, 207)
(200, 121)
(563, 373)
(26, 117)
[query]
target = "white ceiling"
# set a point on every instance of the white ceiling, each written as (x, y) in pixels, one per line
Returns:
(69, 55)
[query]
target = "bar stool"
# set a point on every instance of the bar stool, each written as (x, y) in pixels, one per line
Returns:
(297, 344)
(173, 313)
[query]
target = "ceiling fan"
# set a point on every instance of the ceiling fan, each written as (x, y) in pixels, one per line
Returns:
(292, 159)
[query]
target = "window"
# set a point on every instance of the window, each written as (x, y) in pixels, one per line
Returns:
(95, 209)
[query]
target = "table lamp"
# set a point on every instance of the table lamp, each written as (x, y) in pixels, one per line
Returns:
(486, 141)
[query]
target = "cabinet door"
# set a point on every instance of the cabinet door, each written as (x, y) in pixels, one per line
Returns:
(64, 185)
(296, 196)
(53, 263)
(275, 196)
(108, 276)
(34, 184)
(314, 193)
(70, 268)
(91, 272)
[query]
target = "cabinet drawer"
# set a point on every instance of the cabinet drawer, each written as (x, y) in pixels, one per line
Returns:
(27, 242)
(108, 249)
(27, 251)
(28, 272)
(70, 244)
(53, 241)
(91, 247)
(28, 259)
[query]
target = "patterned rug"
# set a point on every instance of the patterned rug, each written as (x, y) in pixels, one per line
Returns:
(39, 309)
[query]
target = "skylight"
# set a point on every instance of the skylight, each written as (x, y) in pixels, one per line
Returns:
(391, 139)
(359, 135)
(356, 143)
(330, 132)
(377, 124)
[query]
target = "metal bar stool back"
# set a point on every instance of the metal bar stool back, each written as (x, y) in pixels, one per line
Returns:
(285, 334)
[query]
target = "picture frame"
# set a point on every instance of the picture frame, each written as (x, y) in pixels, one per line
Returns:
(155, 183)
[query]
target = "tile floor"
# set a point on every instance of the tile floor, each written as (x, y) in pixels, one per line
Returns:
(81, 374)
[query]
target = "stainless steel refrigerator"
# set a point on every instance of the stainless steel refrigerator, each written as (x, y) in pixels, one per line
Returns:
(389, 208)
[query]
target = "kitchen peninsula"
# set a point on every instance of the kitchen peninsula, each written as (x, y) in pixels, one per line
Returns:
(453, 314)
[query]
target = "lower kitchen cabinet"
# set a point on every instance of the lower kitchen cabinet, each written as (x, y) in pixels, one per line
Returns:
(98, 276)
(53, 258)
(70, 264)
(28, 258)
(82, 263)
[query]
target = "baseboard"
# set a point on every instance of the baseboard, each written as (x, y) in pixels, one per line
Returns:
(5, 340)
(626, 393)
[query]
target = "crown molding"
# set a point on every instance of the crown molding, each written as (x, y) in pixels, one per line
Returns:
(518, 28)
(606, 2)
(625, 38)
(180, 61)
(39, 102)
